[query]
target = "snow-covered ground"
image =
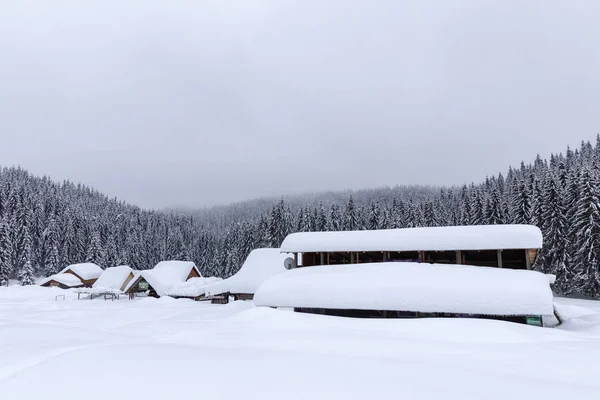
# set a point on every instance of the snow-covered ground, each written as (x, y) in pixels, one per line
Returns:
(170, 349)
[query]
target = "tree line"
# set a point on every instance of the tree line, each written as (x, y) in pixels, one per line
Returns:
(45, 225)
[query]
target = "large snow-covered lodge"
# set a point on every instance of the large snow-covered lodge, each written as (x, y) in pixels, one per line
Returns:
(504, 246)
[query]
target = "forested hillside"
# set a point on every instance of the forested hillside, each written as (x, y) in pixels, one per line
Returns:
(45, 225)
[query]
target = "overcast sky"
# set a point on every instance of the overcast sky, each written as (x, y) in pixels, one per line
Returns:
(194, 103)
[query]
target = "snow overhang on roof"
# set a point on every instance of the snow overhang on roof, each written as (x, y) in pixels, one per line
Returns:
(167, 274)
(86, 271)
(260, 265)
(399, 286)
(68, 280)
(481, 237)
(113, 278)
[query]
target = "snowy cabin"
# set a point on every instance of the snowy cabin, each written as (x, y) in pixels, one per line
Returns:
(62, 281)
(86, 273)
(504, 246)
(260, 265)
(405, 290)
(164, 276)
(114, 279)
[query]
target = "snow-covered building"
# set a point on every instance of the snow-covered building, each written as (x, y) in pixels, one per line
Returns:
(114, 279)
(162, 277)
(86, 273)
(400, 289)
(63, 281)
(505, 246)
(260, 265)
(194, 288)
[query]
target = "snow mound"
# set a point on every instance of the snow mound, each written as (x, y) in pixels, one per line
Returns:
(113, 278)
(399, 286)
(481, 237)
(68, 280)
(86, 271)
(260, 265)
(194, 287)
(166, 274)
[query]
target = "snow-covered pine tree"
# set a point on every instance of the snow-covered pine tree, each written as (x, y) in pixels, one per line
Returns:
(492, 210)
(52, 263)
(556, 236)
(350, 216)
(95, 253)
(25, 275)
(520, 203)
(374, 221)
(586, 229)
(335, 219)
(321, 222)
(5, 253)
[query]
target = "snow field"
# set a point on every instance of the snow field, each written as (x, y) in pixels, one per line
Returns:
(166, 348)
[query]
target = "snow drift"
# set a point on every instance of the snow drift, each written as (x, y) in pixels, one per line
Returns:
(399, 286)
(481, 237)
(260, 265)
(194, 287)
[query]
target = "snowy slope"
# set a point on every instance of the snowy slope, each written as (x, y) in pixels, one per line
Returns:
(411, 287)
(185, 349)
(260, 265)
(480, 237)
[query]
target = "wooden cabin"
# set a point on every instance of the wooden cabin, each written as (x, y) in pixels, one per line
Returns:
(503, 246)
(88, 273)
(162, 277)
(62, 281)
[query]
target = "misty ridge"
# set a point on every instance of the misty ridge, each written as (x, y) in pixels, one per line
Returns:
(45, 225)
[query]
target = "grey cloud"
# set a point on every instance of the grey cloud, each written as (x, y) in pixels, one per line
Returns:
(198, 103)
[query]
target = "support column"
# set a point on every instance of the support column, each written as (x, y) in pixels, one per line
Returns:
(527, 261)
(499, 258)
(384, 256)
(351, 258)
(322, 258)
(459, 257)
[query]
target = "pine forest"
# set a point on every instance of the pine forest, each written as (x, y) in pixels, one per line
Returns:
(45, 226)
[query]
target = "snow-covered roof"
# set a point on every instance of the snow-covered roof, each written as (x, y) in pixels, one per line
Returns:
(167, 274)
(68, 280)
(85, 271)
(400, 286)
(480, 237)
(260, 265)
(136, 275)
(194, 287)
(113, 278)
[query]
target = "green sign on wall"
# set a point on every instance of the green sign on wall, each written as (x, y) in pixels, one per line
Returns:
(143, 285)
(536, 321)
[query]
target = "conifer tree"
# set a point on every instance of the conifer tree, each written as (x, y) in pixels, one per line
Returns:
(25, 275)
(350, 216)
(586, 228)
(321, 223)
(335, 219)
(94, 253)
(5, 253)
